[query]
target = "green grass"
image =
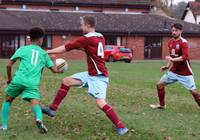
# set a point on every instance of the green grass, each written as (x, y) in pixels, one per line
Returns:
(131, 90)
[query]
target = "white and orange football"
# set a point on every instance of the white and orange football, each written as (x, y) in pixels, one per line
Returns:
(61, 64)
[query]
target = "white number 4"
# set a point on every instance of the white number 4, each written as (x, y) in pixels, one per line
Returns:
(100, 51)
(34, 58)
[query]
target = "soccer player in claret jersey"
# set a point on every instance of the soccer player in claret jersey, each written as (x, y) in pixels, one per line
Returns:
(179, 69)
(92, 43)
(26, 80)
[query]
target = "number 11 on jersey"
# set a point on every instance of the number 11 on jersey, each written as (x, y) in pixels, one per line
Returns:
(34, 58)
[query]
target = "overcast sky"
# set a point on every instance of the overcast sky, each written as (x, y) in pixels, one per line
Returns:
(177, 1)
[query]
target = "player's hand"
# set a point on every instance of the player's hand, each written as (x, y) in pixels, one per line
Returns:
(54, 69)
(163, 68)
(60, 71)
(169, 58)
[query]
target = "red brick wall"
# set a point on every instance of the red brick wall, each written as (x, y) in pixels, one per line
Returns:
(60, 40)
(138, 10)
(112, 9)
(10, 6)
(72, 8)
(137, 44)
(51, 7)
(39, 7)
(194, 44)
(165, 51)
(72, 55)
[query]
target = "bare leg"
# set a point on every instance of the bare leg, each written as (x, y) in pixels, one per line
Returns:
(196, 96)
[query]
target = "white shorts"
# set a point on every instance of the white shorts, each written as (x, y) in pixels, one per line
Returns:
(97, 85)
(186, 81)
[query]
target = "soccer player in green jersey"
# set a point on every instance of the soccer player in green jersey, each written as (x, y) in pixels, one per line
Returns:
(26, 80)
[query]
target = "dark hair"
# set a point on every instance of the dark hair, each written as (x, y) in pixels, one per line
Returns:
(90, 20)
(177, 26)
(36, 33)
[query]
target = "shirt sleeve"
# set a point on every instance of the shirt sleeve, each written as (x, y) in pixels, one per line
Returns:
(17, 55)
(185, 51)
(49, 62)
(80, 43)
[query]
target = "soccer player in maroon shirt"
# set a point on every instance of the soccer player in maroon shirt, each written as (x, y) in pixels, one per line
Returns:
(96, 78)
(179, 69)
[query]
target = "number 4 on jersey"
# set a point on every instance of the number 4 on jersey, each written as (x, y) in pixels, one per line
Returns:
(100, 51)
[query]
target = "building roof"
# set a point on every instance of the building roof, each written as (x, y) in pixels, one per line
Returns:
(65, 22)
(108, 3)
(194, 7)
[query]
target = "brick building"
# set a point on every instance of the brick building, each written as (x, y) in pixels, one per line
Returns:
(122, 22)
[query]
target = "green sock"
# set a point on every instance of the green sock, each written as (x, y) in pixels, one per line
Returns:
(5, 114)
(37, 111)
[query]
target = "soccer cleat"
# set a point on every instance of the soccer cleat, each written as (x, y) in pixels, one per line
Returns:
(41, 126)
(157, 106)
(122, 131)
(2, 128)
(48, 111)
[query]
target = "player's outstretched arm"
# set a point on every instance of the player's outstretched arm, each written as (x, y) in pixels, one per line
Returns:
(60, 49)
(9, 70)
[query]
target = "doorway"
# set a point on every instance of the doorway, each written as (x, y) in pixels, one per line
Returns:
(153, 48)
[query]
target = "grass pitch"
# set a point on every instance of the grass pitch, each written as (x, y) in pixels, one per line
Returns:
(131, 90)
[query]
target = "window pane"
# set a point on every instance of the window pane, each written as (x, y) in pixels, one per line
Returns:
(125, 50)
(108, 48)
(47, 42)
(22, 40)
(8, 45)
(111, 40)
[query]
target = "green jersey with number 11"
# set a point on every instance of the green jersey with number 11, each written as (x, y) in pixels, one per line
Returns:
(32, 61)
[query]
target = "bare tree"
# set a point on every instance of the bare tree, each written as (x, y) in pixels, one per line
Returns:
(178, 10)
(164, 5)
(167, 2)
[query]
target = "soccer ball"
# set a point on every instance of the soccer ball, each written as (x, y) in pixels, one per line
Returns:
(61, 65)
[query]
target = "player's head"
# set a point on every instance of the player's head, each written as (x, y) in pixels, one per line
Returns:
(36, 35)
(88, 23)
(176, 30)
